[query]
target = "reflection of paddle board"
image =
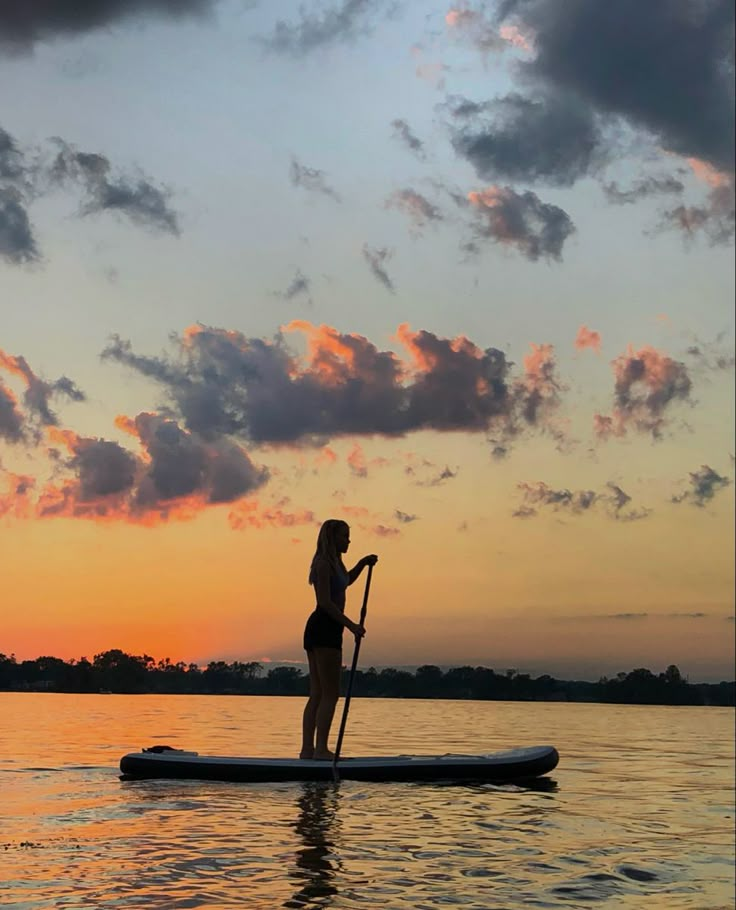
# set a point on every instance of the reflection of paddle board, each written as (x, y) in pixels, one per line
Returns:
(515, 764)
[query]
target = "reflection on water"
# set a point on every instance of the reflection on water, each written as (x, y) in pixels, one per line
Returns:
(317, 824)
(639, 812)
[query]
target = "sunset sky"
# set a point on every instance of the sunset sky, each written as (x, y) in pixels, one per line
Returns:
(461, 275)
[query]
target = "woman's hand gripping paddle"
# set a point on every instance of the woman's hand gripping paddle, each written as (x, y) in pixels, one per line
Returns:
(356, 652)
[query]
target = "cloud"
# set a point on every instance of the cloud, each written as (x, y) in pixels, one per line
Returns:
(712, 356)
(376, 257)
(136, 197)
(356, 461)
(403, 133)
(15, 500)
(520, 220)
(12, 163)
(617, 501)
(177, 475)
(704, 484)
(576, 502)
(250, 514)
(647, 383)
(311, 179)
(11, 419)
(321, 28)
(648, 186)
(554, 140)
(417, 207)
(587, 338)
(438, 479)
(24, 24)
(404, 517)
(25, 179)
(17, 241)
(384, 531)
(222, 383)
(39, 392)
(715, 217)
(482, 33)
(681, 52)
(299, 286)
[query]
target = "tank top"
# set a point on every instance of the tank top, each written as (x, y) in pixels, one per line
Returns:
(338, 585)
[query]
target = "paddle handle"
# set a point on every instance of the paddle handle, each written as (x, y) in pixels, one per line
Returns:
(356, 652)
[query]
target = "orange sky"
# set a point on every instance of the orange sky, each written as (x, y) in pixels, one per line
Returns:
(428, 273)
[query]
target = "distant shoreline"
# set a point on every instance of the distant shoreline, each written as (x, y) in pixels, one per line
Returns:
(115, 672)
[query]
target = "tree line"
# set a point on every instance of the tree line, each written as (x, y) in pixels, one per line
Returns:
(115, 671)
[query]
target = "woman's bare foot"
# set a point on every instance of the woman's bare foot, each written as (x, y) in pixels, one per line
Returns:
(306, 753)
(326, 755)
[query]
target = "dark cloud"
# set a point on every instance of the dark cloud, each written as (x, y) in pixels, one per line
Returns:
(715, 217)
(376, 257)
(704, 484)
(39, 392)
(554, 140)
(539, 494)
(23, 180)
(180, 474)
(403, 133)
(665, 66)
(11, 419)
(617, 501)
(23, 23)
(417, 207)
(404, 517)
(299, 286)
(311, 179)
(103, 468)
(648, 186)
(222, 383)
(576, 502)
(647, 383)
(712, 355)
(183, 464)
(459, 107)
(135, 197)
(12, 162)
(17, 241)
(438, 479)
(320, 28)
(521, 220)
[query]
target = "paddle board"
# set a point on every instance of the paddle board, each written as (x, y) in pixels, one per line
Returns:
(514, 764)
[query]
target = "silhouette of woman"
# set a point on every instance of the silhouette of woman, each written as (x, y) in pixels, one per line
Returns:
(323, 633)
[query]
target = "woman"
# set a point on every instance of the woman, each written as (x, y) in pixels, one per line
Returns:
(323, 634)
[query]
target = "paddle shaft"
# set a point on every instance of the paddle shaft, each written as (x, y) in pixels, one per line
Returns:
(356, 652)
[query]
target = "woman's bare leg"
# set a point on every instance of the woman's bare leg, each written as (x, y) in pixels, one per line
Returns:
(309, 719)
(329, 666)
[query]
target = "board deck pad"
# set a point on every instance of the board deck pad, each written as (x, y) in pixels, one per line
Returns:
(513, 764)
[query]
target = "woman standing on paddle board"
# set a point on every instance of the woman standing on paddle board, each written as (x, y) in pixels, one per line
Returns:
(323, 633)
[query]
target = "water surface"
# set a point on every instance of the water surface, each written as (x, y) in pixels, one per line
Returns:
(640, 809)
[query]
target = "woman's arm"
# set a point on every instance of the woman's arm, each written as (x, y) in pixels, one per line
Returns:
(354, 573)
(324, 600)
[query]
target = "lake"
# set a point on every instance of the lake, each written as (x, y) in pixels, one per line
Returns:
(640, 811)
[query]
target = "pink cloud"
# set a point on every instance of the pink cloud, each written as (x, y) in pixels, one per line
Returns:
(647, 383)
(587, 338)
(356, 461)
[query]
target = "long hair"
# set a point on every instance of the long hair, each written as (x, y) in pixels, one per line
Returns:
(327, 547)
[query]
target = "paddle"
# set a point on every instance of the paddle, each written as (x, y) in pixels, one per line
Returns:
(345, 710)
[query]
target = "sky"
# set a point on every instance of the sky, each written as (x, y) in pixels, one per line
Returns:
(461, 275)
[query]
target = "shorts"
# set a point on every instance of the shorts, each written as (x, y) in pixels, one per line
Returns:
(322, 631)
